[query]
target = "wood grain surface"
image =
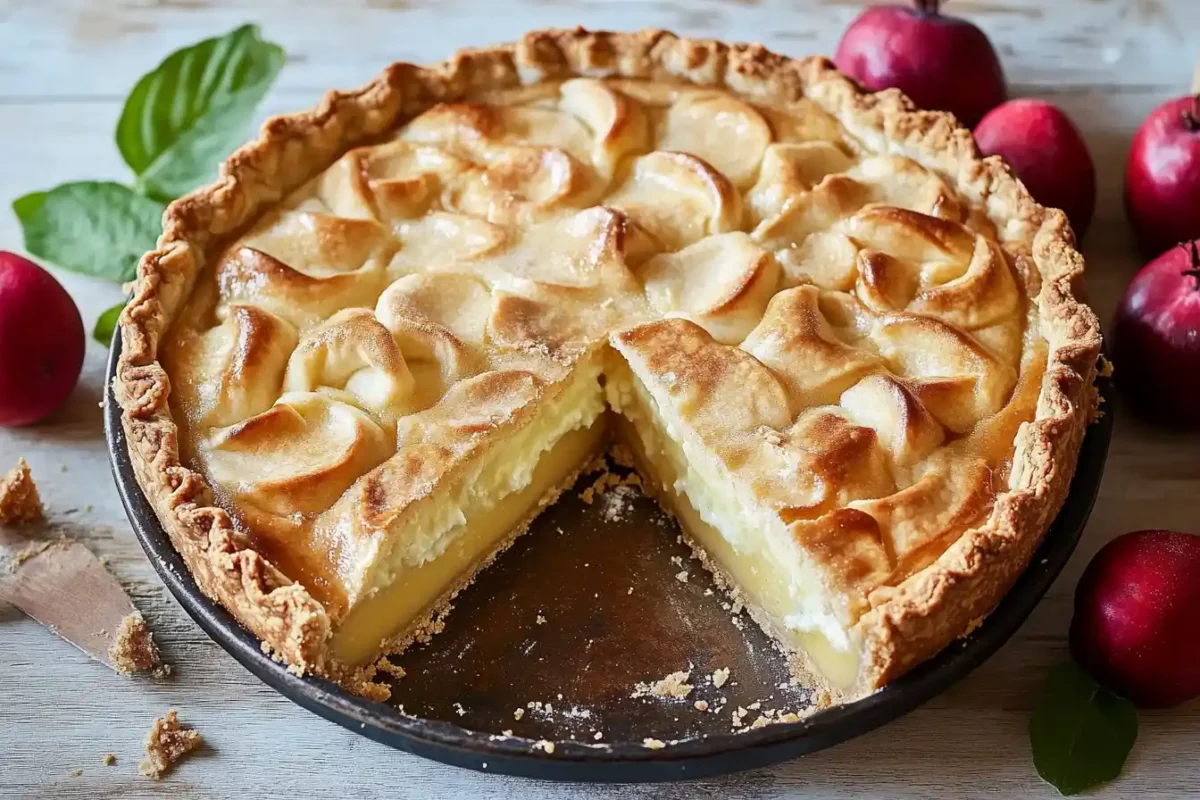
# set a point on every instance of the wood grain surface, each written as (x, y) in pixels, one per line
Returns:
(65, 66)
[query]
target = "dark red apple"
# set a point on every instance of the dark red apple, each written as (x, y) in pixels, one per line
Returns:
(940, 62)
(1137, 617)
(41, 342)
(1156, 339)
(1046, 150)
(1162, 178)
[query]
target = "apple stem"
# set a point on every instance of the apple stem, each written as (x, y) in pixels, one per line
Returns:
(928, 6)
(1194, 272)
(1191, 116)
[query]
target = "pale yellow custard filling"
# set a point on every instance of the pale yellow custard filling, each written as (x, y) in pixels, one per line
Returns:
(416, 592)
(768, 570)
(399, 576)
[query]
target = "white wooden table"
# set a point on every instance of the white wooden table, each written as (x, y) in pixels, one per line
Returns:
(65, 66)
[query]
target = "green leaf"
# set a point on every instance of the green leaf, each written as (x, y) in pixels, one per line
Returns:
(28, 205)
(186, 115)
(97, 228)
(1081, 732)
(106, 324)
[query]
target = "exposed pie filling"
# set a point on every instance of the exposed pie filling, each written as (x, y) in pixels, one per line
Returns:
(819, 353)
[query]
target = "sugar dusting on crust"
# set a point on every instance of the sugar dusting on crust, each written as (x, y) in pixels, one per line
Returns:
(20, 503)
(168, 742)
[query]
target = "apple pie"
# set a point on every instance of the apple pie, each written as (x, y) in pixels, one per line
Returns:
(847, 353)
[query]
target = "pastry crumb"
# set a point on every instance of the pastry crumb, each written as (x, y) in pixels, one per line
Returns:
(653, 744)
(388, 668)
(719, 677)
(674, 686)
(133, 649)
(618, 502)
(110, 759)
(36, 549)
(543, 745)
(520, 712)
(612, 487)
(20, 503)
(541, 620)
(701, 705)
(682, 576)
(168, 742)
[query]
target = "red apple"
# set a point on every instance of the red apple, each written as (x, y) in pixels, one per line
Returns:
(1048, 154)
(1162, 179)
(1137, 617)
(41, 342)
(1156, 338)
(940, 62)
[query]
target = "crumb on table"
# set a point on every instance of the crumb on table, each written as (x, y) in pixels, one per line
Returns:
(133, 649)
(20, 503)
(168, 742)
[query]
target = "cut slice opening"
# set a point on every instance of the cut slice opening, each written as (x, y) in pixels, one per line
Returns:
(747, 548)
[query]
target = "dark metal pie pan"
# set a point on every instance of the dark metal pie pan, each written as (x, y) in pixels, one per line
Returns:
(593, 600)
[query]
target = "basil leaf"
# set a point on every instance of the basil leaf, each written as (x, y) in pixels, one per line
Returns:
(94, 227)
(1081, 732)
(106, 324)
(182, 118)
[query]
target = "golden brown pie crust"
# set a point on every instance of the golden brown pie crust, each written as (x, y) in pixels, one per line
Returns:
(20, 503)
(908, 623)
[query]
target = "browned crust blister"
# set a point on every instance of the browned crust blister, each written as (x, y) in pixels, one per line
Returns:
(907, 623)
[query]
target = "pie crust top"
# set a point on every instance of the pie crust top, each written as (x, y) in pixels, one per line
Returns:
(874, 329)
